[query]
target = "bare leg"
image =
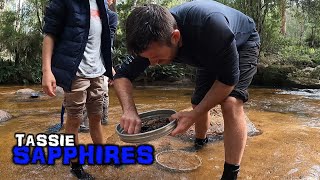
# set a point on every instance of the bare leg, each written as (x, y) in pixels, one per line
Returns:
(95, 129)
(202, 125)
(72, 126)
(235, 130)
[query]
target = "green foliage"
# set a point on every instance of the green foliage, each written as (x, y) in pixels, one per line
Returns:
(119, 52)
(163, 72)
(313, 41)
(170, 3)
(300, 56)
(311, 9)
(297, 25)
(271, 38)
(21, 74)
(315, 56)
(20, 46)
(20, 34)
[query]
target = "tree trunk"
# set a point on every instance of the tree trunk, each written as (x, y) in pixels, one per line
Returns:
(312, 36)
(16, 58)
(283, 18)
(264, 12)
(38, 15)
(18, 11)
(301, 33)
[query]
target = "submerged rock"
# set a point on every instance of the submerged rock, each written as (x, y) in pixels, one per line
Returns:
(216, 129)
(27, 95)
(25, 91)
(276, 74)
(4, 116)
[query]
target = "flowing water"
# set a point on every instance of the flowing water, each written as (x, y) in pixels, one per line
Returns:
(288, 148)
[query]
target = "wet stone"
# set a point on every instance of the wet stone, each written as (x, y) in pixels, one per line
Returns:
(29, 95)
(25, 91)
(4, 116)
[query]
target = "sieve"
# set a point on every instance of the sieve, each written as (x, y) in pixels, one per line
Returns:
(149, 135)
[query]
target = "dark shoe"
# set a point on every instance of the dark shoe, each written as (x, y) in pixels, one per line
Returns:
(230, 171)
(84, 129)
(80, 173)
(200, 143)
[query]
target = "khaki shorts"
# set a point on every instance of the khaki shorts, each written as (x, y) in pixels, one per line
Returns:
(84, 92)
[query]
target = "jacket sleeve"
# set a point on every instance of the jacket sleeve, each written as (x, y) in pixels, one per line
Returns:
(113, 23)
(131, 68)
(222, 45)
(54, 17)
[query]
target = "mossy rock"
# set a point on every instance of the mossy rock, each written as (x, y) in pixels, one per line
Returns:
(274, 75)
(315, 73)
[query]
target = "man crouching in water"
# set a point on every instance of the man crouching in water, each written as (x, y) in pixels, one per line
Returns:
(221, 42)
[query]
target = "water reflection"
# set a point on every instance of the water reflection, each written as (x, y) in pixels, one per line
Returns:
(306, 93)
(304, 103)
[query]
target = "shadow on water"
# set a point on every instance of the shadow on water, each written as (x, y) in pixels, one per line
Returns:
(287, 149)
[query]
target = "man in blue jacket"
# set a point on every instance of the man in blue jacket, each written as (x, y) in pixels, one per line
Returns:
(84, 126)
(76, 54)
(220, 41)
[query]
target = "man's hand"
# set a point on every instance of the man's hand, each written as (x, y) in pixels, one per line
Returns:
(49, 84)
(110, 81)
(185, 120)
(131, 122)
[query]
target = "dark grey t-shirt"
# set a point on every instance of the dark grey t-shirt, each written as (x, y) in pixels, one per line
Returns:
(211, 34)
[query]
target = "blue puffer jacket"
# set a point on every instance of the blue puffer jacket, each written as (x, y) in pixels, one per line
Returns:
(69, 22)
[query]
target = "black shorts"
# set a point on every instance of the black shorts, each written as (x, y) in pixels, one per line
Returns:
(248, 60)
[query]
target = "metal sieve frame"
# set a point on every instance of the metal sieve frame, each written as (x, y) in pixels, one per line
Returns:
(177, 169)
(149, 135)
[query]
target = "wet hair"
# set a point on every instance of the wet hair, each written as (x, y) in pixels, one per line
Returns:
(146, 24)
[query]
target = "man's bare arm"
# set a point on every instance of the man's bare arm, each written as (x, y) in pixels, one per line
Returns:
(48, 80)
(217, 94)
(130, 120)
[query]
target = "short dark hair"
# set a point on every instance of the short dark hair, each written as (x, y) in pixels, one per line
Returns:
(146, 24)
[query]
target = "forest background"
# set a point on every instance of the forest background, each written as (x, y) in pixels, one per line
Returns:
(289, 30)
